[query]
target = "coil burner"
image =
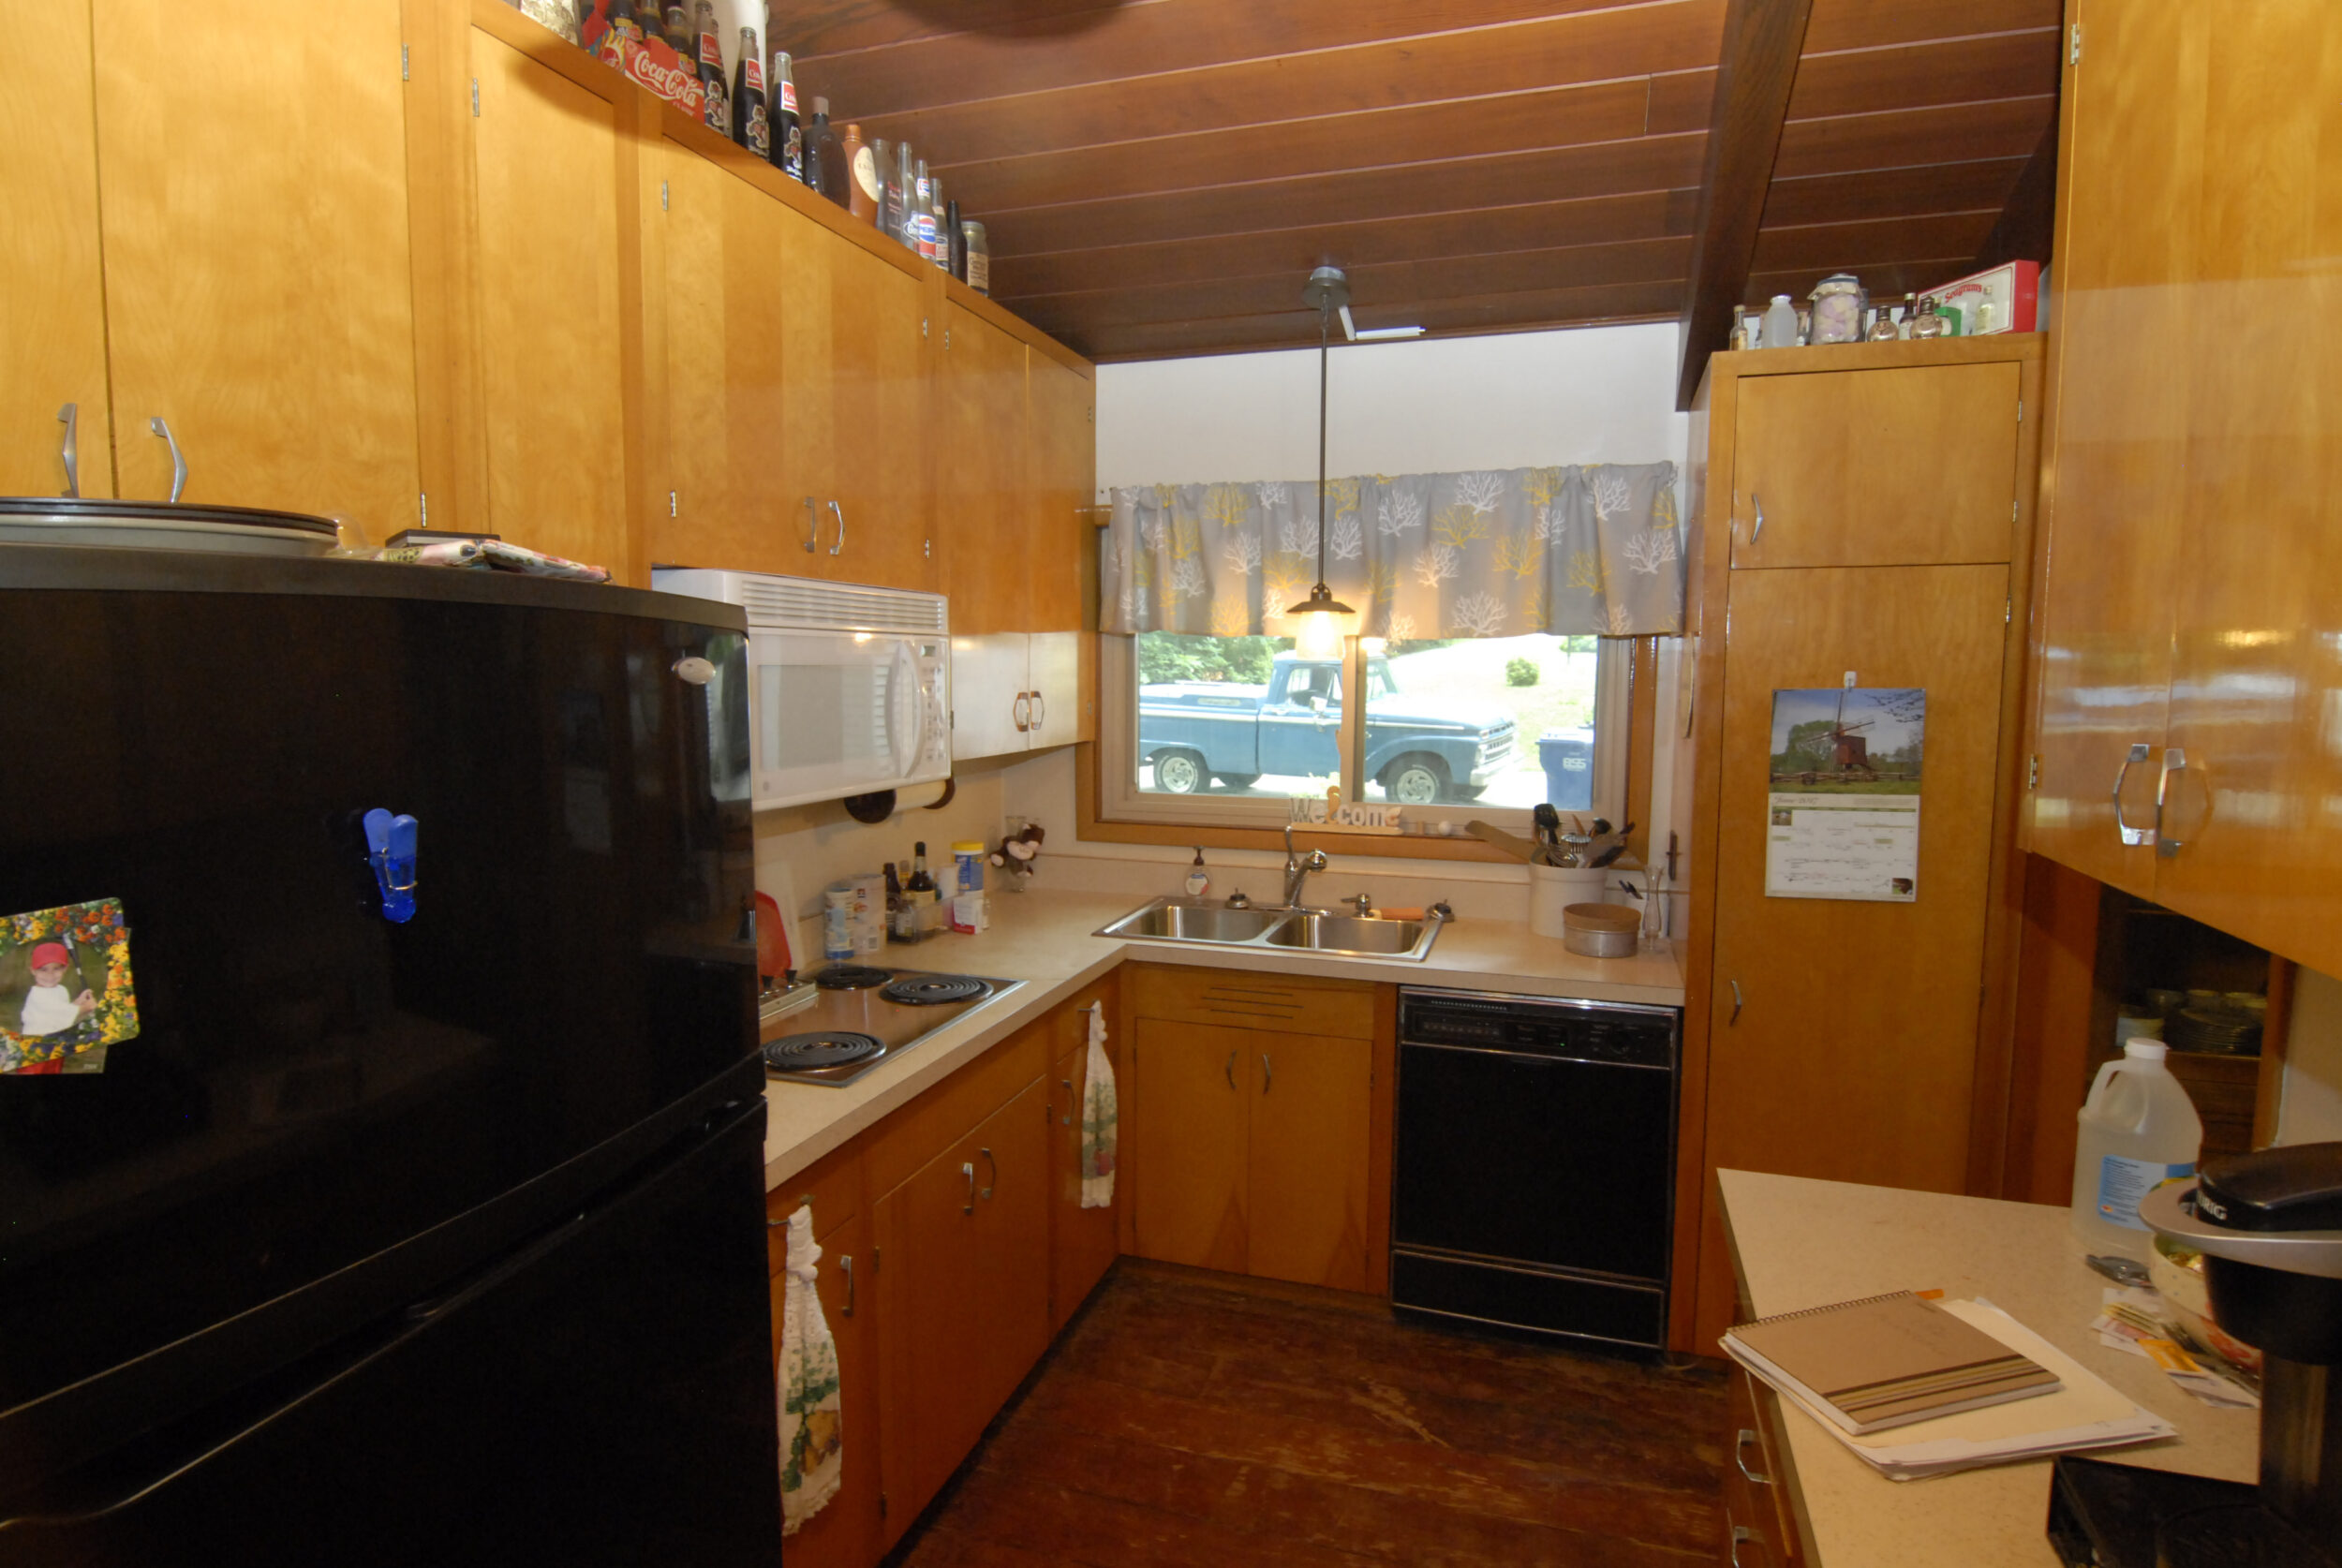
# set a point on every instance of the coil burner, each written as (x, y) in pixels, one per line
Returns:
(934, 990)
(851, 977)
(795, 1053)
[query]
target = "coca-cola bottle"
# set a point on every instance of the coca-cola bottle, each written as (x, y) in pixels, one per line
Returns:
(719, 105)
(750, 127)
(678, 31)
(788, 131)
(624, 31)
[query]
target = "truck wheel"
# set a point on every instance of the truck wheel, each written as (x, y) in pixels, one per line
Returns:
(1416, 780)
(1179, 773)
(1239, 780)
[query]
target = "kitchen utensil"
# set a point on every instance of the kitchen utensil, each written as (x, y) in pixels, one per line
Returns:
(1548, 823)
(772, 938)
(1600, 930)
(1511, 843)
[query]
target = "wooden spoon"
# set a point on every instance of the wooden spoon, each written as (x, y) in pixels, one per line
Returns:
(1511, 843)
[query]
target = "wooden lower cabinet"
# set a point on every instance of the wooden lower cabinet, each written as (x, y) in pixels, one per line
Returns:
(1760, 1519)
(963, 1291)
(844, 1534)
(1083, 1242)
(1251, 1148)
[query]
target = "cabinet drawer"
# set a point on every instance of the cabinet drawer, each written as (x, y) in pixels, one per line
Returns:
(1235, 1000)
(1756, 1487)
(940, 1118)
(833, 1185)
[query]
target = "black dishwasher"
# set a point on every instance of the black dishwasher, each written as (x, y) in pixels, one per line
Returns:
(1534, 1169)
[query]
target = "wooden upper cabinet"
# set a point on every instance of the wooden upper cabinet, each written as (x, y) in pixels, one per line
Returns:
(859, 373)
(980, 475)
(256, 270)
(545, 167)
(52, 312)
(1061, 485)
(1904, 467)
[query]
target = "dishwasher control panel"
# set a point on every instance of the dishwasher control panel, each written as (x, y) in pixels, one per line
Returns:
(1624, 1034)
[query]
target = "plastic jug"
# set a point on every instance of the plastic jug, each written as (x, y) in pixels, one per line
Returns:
(2138, 1127)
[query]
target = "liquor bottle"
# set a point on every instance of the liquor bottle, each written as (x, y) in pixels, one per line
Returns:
(923, 894)
(939, 237)
(898, 907)
(750, 127)
(863, 185)
(1910, 316)
(882, 168)
(788, 130)
(922, 224)
(719, 111)
(955, 239)
(1929, 324)
(679, 36)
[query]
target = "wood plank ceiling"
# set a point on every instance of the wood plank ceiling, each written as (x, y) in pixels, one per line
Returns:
(1159, 176)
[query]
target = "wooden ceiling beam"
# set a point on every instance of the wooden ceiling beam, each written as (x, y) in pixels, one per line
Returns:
(1868, 81)
(1762, 39)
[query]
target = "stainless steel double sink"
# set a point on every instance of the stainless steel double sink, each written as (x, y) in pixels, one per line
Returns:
(1186, 920)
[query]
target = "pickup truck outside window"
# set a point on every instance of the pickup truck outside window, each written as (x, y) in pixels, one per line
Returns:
(1508, 722)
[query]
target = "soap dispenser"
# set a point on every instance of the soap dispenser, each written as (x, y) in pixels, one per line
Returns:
(1198, 881)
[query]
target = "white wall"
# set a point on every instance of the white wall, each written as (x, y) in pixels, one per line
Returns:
(1596, 395)
(2310, 1109)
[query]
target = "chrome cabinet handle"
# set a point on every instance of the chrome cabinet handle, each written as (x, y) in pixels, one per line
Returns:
(1758, 502)
(812, 526)
(1268, 1074)
(845, 1262)
(1230, 1069)
(967, 1169)
(995, 1166)
(2138, 753)
(1067, 1119)
(1740, 1456)
(1736, 1003)
(70, 416)
(1040, 710)
(1741, 1533)
(1021, 710)
(839, 512)
(2175, 760)
(178, 461)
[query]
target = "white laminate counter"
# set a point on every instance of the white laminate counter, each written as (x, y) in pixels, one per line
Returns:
(1045, 940)
(1799, 1243)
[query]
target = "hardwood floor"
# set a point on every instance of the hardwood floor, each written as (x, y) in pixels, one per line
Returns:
(1198, 1419)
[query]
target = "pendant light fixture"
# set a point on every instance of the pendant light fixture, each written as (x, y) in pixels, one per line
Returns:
(1324, 620)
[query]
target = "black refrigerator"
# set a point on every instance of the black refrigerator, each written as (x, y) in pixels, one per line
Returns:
(375, 1191)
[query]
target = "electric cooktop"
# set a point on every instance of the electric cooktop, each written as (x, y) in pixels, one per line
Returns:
(856, 1016)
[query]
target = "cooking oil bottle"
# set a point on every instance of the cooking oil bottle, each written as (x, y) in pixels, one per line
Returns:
(2136, 1127)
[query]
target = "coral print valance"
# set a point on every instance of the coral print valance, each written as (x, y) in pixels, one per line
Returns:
(1499, 553)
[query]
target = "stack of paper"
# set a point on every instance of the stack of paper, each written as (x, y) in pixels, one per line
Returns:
(2082, 1411)
(1885, 1361)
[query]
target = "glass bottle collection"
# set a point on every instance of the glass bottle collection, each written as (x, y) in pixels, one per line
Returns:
(1840, 312)
(887, 186)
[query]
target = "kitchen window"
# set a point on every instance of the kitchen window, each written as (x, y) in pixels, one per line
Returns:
(1228, 731)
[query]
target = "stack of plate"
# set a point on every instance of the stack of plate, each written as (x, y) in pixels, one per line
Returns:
(2227, 1030)
(160, 525)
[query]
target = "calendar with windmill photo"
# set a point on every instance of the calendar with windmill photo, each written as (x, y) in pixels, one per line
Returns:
(1842, 796)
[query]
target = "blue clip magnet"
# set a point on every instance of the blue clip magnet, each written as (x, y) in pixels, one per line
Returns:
(391, 851)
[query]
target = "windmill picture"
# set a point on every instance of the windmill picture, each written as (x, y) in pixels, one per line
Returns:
(1848, 739)
(1848, 751)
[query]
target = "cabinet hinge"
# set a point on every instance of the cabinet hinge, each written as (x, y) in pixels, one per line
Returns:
(422, 507)
(671, 505)
(662, 207)
(402, 62)
(2012, 512)
(926, 549)
(923, 326)
(475, 97)
(947, 340)
(2073, 47)
(2033, 772)
(2021, 410)
(2008, 608)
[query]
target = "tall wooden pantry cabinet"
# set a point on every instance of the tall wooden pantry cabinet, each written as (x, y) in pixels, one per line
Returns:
(1864, 519)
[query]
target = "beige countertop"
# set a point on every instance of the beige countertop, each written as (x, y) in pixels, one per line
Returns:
(1799, 1243)
(1045, 940)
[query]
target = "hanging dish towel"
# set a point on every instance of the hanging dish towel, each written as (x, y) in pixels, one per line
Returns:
(810, 1435)
(1100, 1118)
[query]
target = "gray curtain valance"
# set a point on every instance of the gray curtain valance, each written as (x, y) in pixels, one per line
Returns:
(1499, 553)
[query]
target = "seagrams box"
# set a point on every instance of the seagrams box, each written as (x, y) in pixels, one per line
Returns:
(644, 59)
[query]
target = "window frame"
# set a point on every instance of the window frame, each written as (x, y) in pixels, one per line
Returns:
(1120, 799)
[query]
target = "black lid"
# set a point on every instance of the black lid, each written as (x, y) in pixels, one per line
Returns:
(2294, 1187)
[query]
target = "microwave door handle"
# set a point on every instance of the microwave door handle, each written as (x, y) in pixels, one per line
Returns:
(905, 710)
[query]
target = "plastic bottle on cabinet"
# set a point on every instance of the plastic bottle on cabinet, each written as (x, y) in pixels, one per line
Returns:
(1779, 330)
(2136, 1127)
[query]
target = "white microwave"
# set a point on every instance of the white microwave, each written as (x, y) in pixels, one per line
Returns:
(850, 687)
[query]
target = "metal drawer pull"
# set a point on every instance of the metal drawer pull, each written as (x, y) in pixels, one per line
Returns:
(70, 416)
(2138, 753)
(1741, 1533)
(1040, 710)
(845, 1264)
(1758, 502)
(1231, 1070)
(812, 525)
(969, 1170)
(1736, 1003)
(178, 461)
(2175, 760)
(1740, 1456)
(839, 512)
(994, 1165)
(1268, 1074)
(1067, 1119)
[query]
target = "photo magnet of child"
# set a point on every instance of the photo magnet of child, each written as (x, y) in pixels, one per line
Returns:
(65, 988)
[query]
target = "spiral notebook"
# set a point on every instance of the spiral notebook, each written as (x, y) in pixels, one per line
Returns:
(1885, 1361)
